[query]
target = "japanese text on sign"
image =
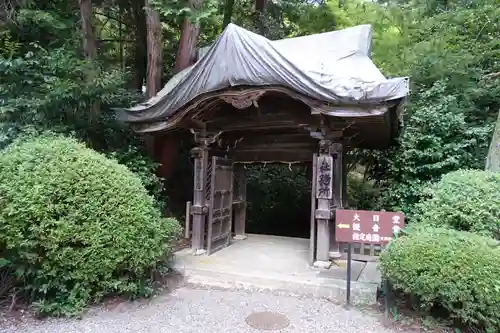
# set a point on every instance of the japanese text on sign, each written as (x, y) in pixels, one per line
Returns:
(324, 178)
(362, 226)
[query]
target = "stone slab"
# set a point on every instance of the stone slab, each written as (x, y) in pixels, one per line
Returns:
(331, 289)
(278, 264)
(322, 264)
(371, 273)
(341, 274)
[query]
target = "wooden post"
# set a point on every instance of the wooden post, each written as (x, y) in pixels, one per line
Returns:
(339, 188)
(312, 234)
(241, 209)
(199, 209)
(324, 194)
(345, 197)
(187, 227)
(338, 183)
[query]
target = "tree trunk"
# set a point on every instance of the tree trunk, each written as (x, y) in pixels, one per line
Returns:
(89, 47)
(228, 13)
(154, 63)
(137, 63)
(260, 7)
(89, 40)
(186, 54)
(154, 40)
(493, 157)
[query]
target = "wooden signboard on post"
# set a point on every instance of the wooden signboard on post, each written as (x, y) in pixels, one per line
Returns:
(365, 227)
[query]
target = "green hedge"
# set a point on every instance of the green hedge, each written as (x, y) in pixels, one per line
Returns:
(76, 225)
(446, 269)
(467, 200)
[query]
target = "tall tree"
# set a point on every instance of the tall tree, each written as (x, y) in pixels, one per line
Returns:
(493, 157)
(228, 13)
(186, 54)
(135, 18)
(154, 41)
(260, 6)
(89, 45)
(89, 40)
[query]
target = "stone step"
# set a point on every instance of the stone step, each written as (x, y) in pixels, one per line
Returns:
(362, 293)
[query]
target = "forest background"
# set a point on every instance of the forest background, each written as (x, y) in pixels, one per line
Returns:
(65, 64)
(90, 205)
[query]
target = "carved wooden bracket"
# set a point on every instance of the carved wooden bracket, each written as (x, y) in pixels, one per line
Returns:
(204, 138)
(243, 100)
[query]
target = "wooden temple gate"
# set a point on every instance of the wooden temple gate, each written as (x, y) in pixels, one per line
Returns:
(272, 125)
(266, 102)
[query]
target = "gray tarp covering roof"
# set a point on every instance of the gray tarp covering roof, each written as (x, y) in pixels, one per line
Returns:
(334, 67)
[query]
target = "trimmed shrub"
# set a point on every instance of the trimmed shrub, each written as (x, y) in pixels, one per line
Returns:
(76, 226)
(444, 269)
(467, 200)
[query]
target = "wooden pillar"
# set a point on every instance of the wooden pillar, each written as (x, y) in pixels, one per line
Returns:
(199, 208)
(338, 174)
(345, 197)
(324, 195)
(311, 173)
(240, 211)
(339, 189)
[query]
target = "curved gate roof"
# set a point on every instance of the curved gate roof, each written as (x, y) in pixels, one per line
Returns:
(332, 67)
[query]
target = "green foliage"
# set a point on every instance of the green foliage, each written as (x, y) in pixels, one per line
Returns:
(278, 200)
(361, 192)
(77, 226)
(43, 90)
(447, 49)
(50, 90)
(467, 200)
(448, 270)
(436, 140)
(175, 9)
(144, 168)
(450, 116)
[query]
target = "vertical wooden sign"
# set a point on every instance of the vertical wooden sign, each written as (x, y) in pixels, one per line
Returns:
(324, 177)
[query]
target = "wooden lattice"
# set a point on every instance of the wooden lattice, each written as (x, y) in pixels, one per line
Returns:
(208, 184)
(365, 252)
(238, 187)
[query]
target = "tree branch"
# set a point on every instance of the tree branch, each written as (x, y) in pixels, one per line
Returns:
(491, 76)
(111, 17)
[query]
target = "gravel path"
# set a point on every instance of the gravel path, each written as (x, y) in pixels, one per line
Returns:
(210, 311)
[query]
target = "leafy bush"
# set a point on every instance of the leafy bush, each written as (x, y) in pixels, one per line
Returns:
(467, 200)
(76, 225)
(449, 270)
(50, 91)
(278, 200)
(140, 164)
(362, 193)
(437, 139)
